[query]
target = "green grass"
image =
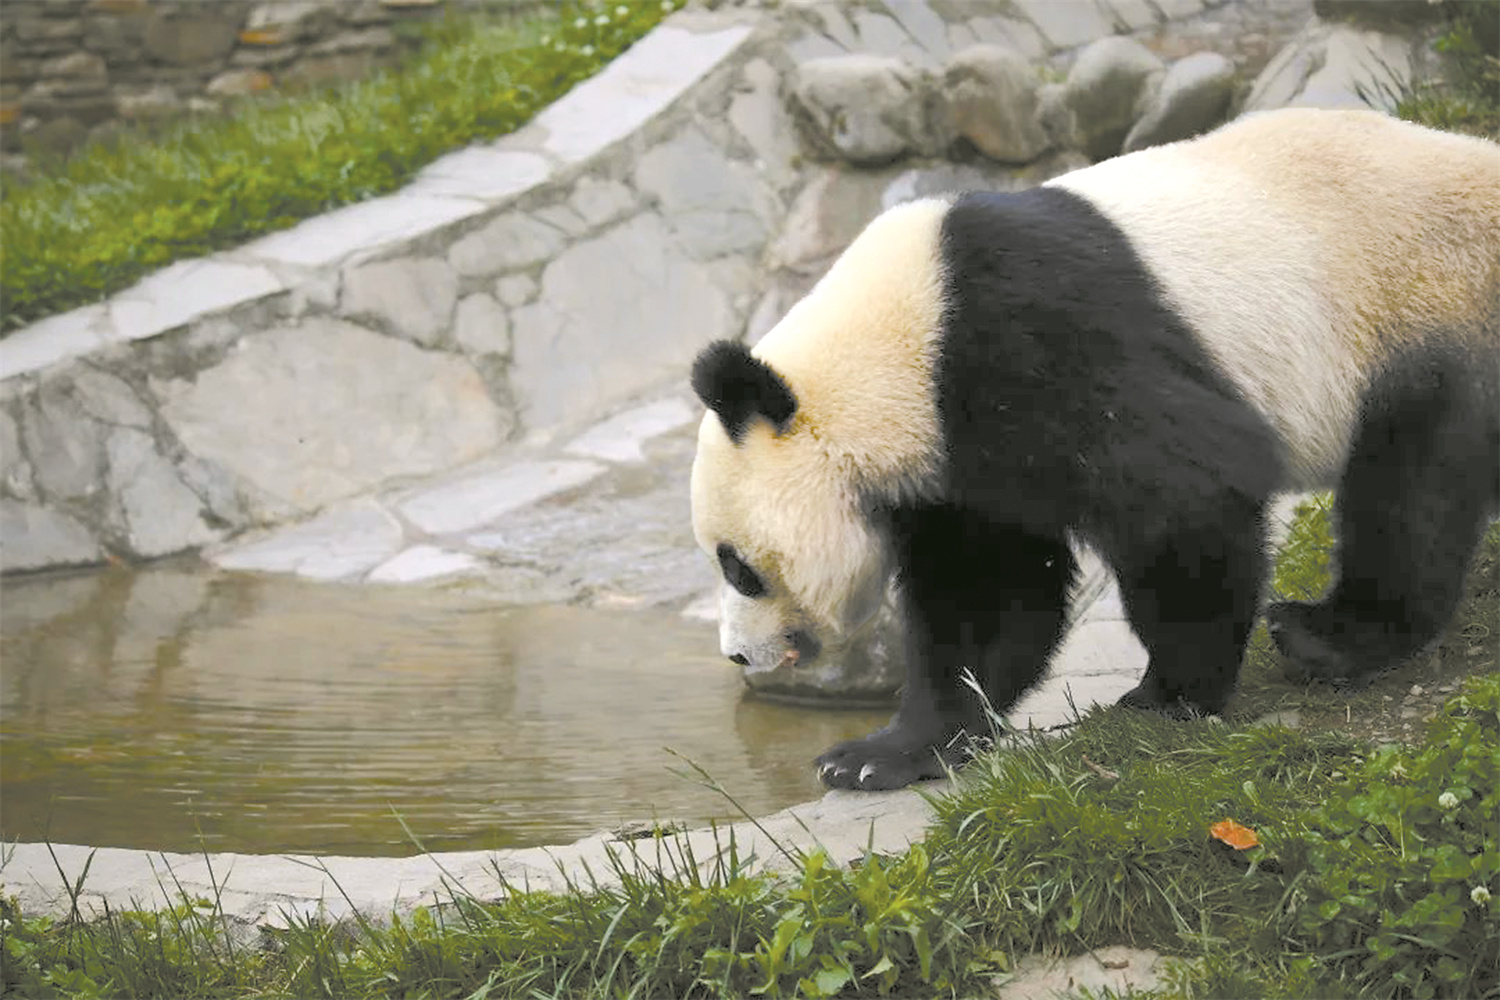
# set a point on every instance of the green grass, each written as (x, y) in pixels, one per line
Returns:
(1469, 100)
(1378, 876)
(117, 211)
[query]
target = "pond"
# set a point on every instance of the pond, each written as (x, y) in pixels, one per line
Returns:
(178, 709)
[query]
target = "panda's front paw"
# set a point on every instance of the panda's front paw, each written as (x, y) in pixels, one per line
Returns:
(877, 763)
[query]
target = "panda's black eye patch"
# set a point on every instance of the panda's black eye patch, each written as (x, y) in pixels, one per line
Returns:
(738, 575)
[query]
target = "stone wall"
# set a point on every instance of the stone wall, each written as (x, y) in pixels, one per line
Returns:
(518, 289)
(75, 69)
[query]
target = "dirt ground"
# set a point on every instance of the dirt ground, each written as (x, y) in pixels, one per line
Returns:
(1397, 704)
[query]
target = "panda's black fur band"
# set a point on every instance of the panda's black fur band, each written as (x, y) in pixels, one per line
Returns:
(740, 387)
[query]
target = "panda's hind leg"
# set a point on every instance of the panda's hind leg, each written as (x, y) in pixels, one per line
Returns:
(1422, 479)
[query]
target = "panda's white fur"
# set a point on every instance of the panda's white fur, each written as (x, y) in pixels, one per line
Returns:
(1313, 270)
(1307, 253)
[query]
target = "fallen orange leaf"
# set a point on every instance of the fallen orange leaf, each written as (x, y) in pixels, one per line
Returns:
(1241, 838)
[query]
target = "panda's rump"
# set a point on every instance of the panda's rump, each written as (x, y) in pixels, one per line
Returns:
(1309, 250)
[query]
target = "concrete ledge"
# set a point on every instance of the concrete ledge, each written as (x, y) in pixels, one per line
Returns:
(265, 890)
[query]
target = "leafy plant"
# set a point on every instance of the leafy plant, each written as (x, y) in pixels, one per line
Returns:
(1469, 100)
(1394, 875)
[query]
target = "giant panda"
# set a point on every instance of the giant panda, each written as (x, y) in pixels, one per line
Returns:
(1135, 355)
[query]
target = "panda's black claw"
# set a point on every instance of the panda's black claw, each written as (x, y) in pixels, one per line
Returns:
(878, 764)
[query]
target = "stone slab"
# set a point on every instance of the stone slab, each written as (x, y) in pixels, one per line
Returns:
(340, 544)
(481, 172)
(586, 341)
(1066, 24)
(263, 890)
(324, 410)
(53, 340)
(632, 89)
(360, 230)
(33, 537)
(621, 438)
(184, 291)
(470, 501)
(421, 563)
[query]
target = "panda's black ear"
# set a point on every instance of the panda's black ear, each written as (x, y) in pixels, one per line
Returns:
(739, 387)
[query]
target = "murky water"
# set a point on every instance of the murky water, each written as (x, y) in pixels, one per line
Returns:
(177, 709)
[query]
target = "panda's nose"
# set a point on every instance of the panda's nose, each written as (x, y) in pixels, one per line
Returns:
(739, 658)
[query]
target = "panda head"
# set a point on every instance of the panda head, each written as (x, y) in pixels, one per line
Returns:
(830, 421)
(801, 564)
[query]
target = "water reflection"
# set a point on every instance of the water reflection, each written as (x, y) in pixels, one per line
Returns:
(178, 709)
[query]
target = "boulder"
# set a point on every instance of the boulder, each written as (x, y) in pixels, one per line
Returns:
(990, 98)
(1193, 98)
(1105, 90)
(864, 109)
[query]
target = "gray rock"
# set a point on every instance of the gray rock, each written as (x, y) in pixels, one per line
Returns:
(33, 537)
(563, 218)
(199, 33)
(757, 114)
(1131, 15)
(567, 355)
(338, 544)
(157, 101)
(883, 36)
(413, 299)
(990, 98)
(824, 219)
(598, 202)
(865, 109)
(108, 398)
(1104, 90)
(78, 66)
(1176, 9)
(714, 206)
(515, 289)
(239, 82)
(220, 493)
(1009, 32)
(481, 326)
(1193, 98)
(15, 471)
(312, 413)
(923, 24)
(66, 447)
(511, 241)
(1066, 25)
(1054, 115)
(160, 514)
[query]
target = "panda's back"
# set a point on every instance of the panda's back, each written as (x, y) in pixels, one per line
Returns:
(1307, 249)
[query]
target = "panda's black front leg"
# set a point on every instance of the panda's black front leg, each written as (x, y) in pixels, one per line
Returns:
(978, 598)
